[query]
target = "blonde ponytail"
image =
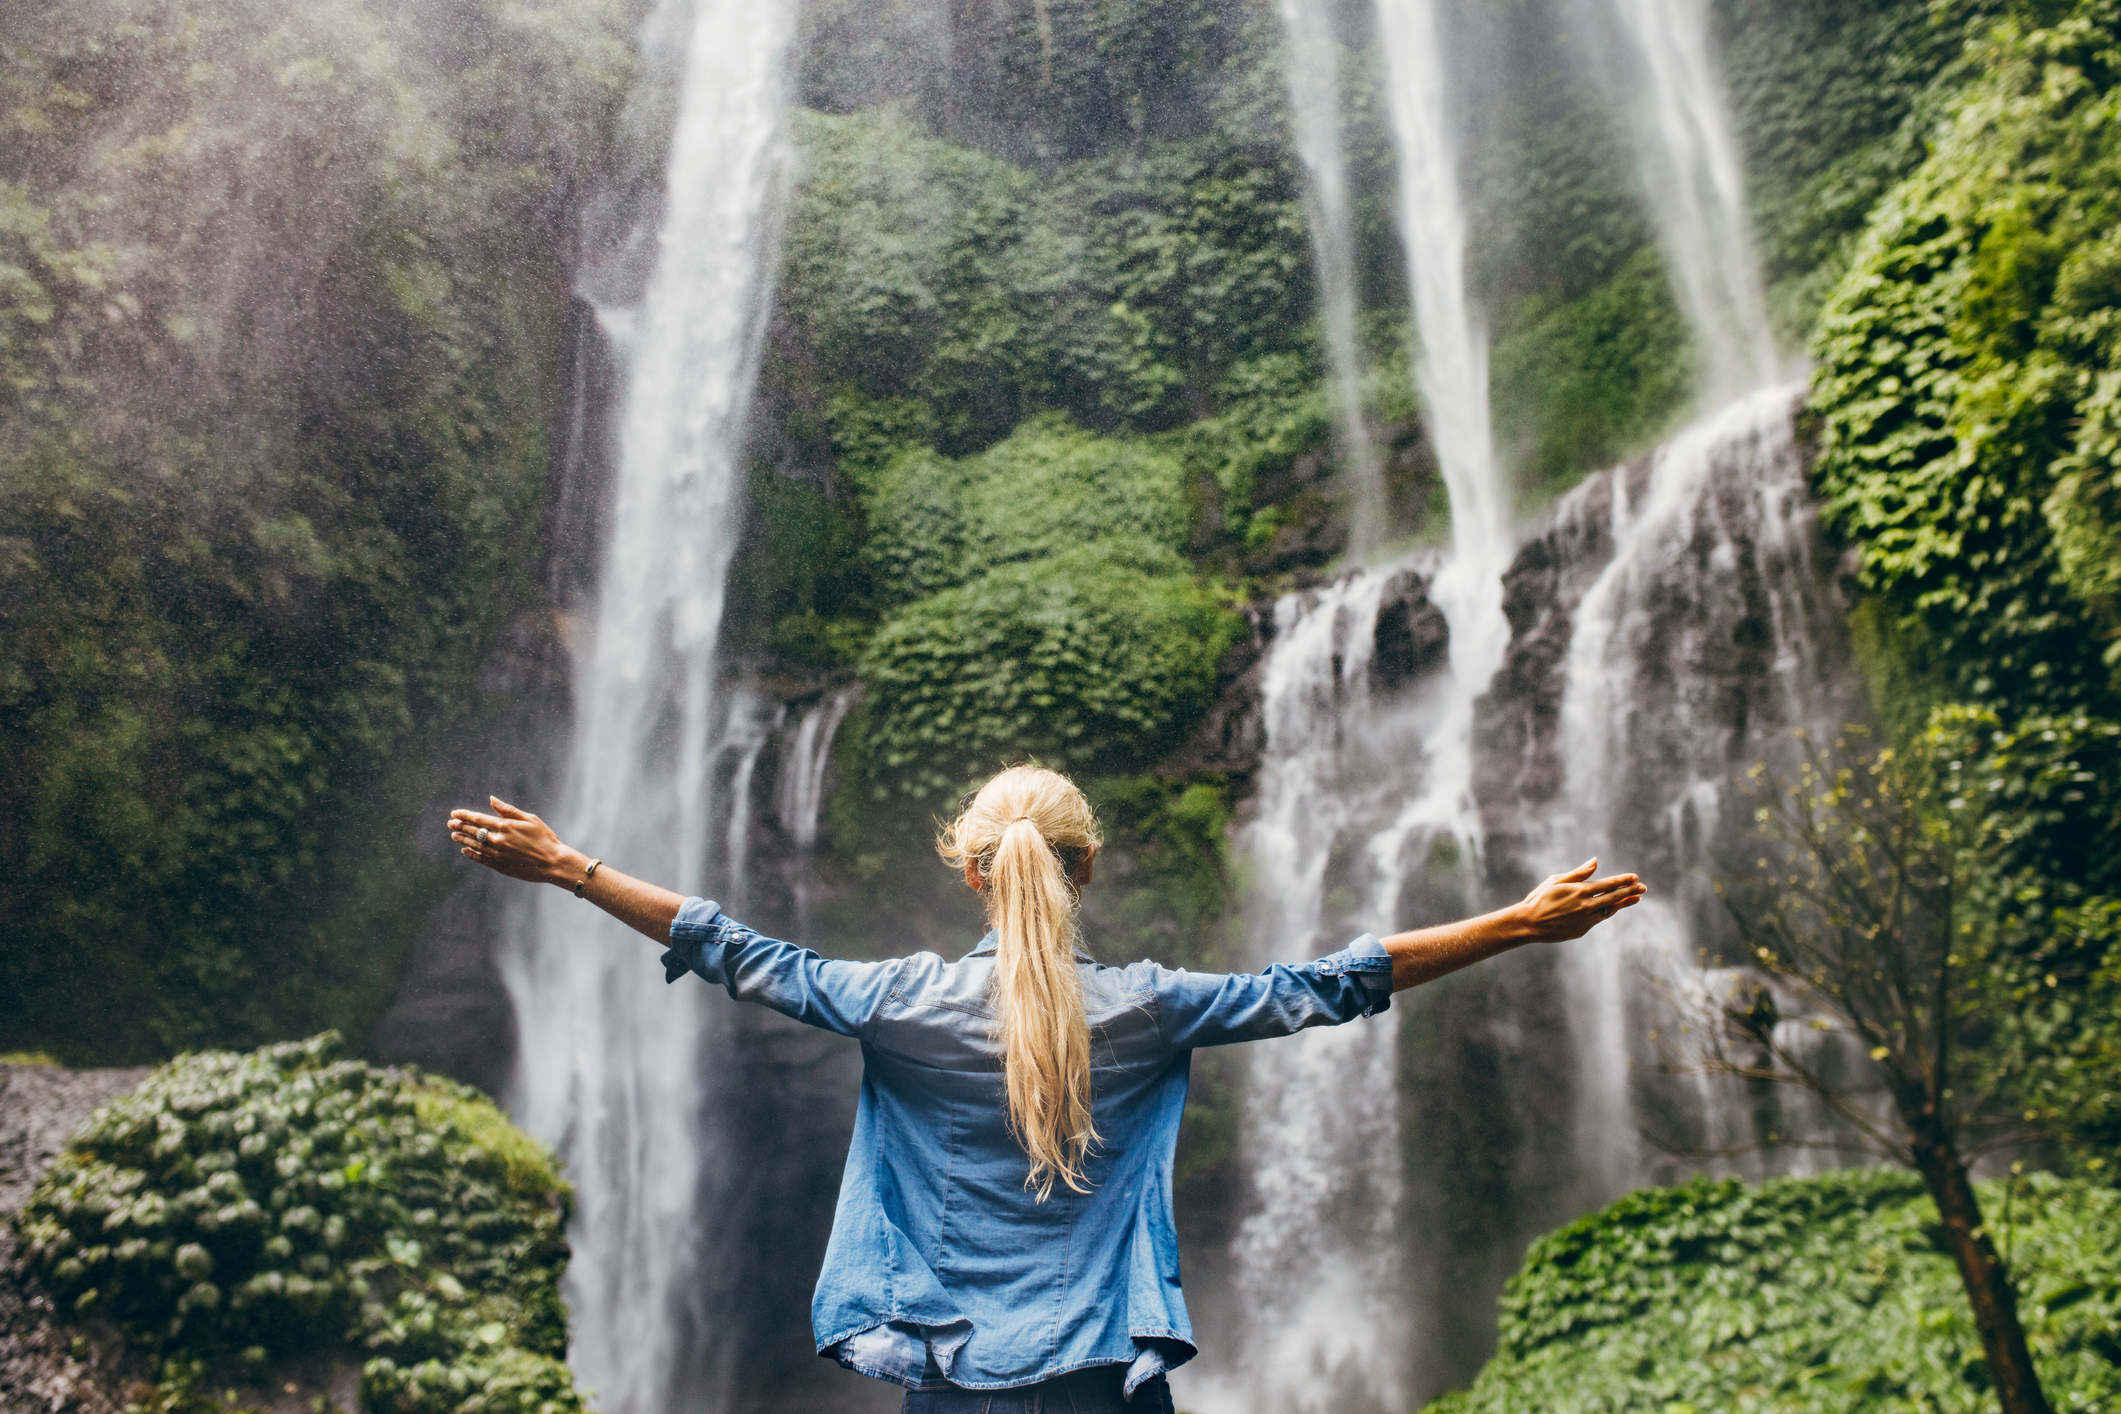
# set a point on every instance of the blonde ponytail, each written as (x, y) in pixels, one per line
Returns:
(1023, 832)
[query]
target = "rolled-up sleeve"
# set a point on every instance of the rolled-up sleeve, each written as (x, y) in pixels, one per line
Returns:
(794, 981)
(1218, 1008)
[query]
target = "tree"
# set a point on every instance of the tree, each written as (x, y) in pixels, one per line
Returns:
(1870, 915)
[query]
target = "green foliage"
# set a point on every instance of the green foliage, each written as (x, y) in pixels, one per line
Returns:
(985, 292)
(797, 585)
(1090, 659)
(1835, 103)
(1816, 1294)
(1163, 879)
(238, 1209)
(1961, 366)
(2049, 820)
(1039, 606)
(267, 468)
(2064, 1054)
(933, 523)
(1269, 411)
(1595, 379)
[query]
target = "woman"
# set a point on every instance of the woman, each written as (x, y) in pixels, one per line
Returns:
(1004, 1240)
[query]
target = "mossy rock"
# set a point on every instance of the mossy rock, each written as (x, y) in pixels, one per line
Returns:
(240, 1210)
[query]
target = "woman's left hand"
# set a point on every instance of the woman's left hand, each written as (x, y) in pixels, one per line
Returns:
(1567, 906)
(516, 843)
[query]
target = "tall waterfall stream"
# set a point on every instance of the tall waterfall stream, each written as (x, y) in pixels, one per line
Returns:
(1435, 726)
(610, 1061)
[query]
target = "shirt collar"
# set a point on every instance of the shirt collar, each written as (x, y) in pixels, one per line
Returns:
(993, 940)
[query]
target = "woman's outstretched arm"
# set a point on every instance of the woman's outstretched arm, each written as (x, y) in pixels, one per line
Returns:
(517, 843)
(1562, 907)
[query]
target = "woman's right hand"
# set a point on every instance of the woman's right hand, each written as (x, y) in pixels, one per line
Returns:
(516, 843)
(1567, 906)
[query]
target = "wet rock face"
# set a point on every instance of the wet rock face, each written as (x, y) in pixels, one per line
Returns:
(1672, 622)
(1411, 639)
(1517, 765)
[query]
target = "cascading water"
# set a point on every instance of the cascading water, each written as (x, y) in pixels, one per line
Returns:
(800, 797)
(610, 1056)
(802, 784)
(1702, 630)
(1696, 187)
(1315, 1262)
(1646, 736)
(1374, 781)
(1312, 63)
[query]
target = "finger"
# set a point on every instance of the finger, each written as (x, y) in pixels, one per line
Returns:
(1614, 881)
(1579, 873)
(1604, 896)
(472, 820)
(506, 809)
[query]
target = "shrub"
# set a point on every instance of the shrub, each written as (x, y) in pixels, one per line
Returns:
(1815, 1294)
(1965, 375)
(1091, 659)
(239, 1208)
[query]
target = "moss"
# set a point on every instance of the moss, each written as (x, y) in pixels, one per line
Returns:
(237, 1210)
(258, 536)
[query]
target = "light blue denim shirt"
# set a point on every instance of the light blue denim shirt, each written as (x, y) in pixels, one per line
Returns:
(943, 1266)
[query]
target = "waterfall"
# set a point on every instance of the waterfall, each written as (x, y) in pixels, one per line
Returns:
(610, 1057)
(1696, 187)
(1709, 633)
(1347, 731)
(1312, 65)
(1373, 776)
(802, 785)
(800, 797)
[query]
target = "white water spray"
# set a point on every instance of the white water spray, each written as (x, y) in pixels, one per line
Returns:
(1696, 187)
(1317, 1264)
(610, 1058)
(1312, 63)
(1711, 584)
(1390, 775)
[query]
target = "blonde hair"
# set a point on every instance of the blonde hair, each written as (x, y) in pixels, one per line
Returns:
(1024, 832)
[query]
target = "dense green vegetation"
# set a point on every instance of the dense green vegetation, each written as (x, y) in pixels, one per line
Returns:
(241, 1209)
(1965, 368)
(1817, 1294)
(1966, 382)
(261, 532)
(281, 311)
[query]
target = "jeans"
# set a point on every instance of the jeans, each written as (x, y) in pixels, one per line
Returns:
(1097, 1390)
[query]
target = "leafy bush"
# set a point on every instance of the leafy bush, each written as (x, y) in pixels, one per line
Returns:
(1965, 367)
(1093, 659)
(1048, 488)
(1815, 1294)
(238, 1208)
(920, 270)
(1597, 378)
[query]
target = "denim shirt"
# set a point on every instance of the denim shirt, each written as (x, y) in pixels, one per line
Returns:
(943, 1267)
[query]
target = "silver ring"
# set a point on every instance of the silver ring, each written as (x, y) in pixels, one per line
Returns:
(482, 834)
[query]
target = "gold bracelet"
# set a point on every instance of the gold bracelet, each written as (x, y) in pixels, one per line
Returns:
(587, 875)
